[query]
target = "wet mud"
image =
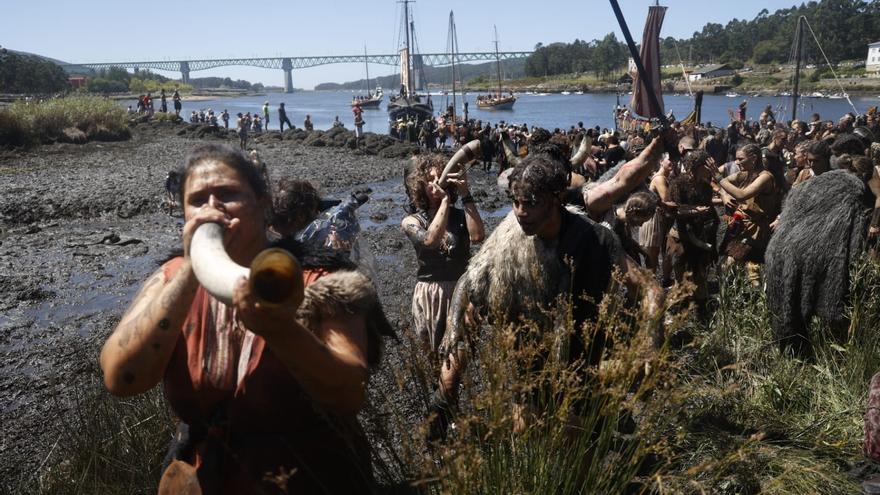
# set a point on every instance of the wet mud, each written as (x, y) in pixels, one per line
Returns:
(81, 227)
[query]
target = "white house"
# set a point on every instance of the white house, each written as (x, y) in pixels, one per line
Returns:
(710, 71)
(872, 63)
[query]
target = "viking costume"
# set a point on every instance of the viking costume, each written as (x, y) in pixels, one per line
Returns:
(243, 415)
(821, 232)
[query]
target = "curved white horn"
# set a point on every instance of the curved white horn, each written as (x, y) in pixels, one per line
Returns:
(583, 151)
(275, 276)
(464, 154)
(510, 152)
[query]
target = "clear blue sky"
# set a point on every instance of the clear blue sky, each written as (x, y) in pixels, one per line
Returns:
(120, 30)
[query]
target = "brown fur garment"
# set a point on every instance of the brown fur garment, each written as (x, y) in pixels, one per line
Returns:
(346, 293)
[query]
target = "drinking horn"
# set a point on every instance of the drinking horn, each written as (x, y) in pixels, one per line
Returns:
(583, 151)
(464, 154)
(510, 152)
(275, 277)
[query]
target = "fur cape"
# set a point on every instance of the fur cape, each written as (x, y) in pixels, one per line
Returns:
(821, 232)
(511, 276)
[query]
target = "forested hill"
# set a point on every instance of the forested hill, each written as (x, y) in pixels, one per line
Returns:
(843, 27)
(511, 69)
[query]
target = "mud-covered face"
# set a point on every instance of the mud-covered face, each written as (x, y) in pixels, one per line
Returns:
(434, 192)
(744, 161)
(533, 211)
(214, 184)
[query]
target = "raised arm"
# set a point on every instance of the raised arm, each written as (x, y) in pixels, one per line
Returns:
(602, 197)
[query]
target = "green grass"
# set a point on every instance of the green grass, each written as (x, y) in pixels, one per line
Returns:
(29, 123)
(727, 413)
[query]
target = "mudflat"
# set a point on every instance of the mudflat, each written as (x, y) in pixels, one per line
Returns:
(81, 227)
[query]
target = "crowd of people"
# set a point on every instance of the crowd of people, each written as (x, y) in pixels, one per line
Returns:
(258, 387)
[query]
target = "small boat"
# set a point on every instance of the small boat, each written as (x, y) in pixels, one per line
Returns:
(816, 94)
(578, 92)
(732, 95)
(838, 96)
(371, 100)
(784, 93)
(497, 101)
(566, 93)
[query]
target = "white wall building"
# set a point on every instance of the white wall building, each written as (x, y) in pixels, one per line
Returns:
(872, 63)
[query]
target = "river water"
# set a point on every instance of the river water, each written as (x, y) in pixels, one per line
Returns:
(543, 110)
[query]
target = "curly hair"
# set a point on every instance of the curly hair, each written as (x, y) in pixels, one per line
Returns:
(536, 175)
(294, 204)
(694, 159)
(418, 177)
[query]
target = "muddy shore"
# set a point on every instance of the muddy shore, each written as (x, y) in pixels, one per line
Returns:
(81, 228)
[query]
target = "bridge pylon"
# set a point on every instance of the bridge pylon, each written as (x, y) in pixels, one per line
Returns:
(184, 72)
(287, 67)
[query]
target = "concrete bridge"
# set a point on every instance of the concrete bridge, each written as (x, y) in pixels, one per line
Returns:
(287, 64)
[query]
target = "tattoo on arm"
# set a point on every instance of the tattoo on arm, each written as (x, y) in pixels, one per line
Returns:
(416, 234)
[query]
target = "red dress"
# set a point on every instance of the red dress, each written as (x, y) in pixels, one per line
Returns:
(249, 419)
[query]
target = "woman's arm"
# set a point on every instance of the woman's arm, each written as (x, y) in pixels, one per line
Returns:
(748, 192)
(330, 364)
(136, 353)
(475, 227)
(431, 237)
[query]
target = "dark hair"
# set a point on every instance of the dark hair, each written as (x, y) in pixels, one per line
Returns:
(861, 166)
(230, 157)
(538, 174)
(754, 150)
(694, 159)
(819, 148)
(612, 140)
(417, 179)
(294, 204)
(848, 144)
(642, 203)
(539, 135)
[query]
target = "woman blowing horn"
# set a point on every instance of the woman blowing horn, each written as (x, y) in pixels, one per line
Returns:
(260, 389)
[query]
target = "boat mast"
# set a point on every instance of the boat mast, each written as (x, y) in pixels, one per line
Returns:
(497, 60)
(408, 56)
(797, 67)
(453, 42)
(367, 66)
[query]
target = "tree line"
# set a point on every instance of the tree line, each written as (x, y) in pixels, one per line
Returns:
(843, 28)
(20, 73)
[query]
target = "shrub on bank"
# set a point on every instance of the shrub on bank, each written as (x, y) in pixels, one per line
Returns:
(28, 123)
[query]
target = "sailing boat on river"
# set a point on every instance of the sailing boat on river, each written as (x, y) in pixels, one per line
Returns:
(408, 104)
(497, 101)
(370, 100)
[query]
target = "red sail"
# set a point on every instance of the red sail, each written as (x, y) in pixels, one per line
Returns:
(650, 55)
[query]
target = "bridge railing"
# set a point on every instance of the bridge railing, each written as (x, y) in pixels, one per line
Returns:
(435, 59)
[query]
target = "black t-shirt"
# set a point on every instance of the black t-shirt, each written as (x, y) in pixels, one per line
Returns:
(449, 261)
(614, 155)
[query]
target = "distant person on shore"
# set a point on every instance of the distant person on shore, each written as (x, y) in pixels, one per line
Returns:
(308, 124)
(225, 117)
(242, 125)
(282, 118)
(148, 103)
(266, 114)
(337, 122)
(359, 125)
(163, 106)
(177, 104)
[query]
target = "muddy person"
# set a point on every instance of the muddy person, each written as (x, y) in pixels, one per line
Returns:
(441, 235)
(557, 252)
(282, 118)
(258, 389)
